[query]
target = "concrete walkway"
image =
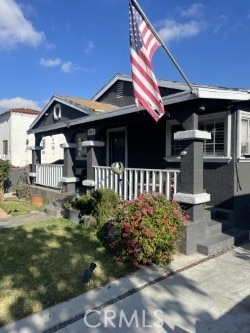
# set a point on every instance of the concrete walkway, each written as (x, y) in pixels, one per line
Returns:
(194, 294)
(16, 221)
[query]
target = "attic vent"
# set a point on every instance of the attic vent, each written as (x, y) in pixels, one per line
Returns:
(119, 93)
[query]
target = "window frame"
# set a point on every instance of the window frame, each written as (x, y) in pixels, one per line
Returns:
(226, 115)
(241, 114)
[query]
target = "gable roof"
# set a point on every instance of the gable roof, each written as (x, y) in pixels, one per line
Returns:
(161, 83)
(90, 104)
(87, 107)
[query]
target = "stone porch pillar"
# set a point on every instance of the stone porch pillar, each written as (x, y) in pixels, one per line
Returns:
(93, 152)
(36, 159)
(69, 180)
(192, 194)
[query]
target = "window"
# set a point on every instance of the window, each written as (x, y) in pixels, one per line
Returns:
(216, 149)
(81, 152)
(244, 135)
(5, 148)
(215, 146)
(175, 144)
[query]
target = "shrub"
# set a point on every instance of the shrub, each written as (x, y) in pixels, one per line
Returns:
(147, 229)
(106, 201)
(100, 204)
(5, 167)
(85, 203)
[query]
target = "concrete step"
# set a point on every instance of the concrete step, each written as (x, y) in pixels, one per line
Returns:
(221, 241)
(54, 211)
(213, 227)
(215, 244)
(240, 235)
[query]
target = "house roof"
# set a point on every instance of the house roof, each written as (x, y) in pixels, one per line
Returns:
(23, 110)
(200, 92)
(162, 83)
(90, 104)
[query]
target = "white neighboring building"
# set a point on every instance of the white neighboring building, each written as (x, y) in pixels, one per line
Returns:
(14, 140)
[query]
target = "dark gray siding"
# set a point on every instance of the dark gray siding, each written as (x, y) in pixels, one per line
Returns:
(121, 94)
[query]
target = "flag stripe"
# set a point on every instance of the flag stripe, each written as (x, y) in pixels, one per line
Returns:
(151, 96)
(143, 44)
(146, 82)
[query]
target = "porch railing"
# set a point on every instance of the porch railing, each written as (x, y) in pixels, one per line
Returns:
(49, 175)
(133, 181)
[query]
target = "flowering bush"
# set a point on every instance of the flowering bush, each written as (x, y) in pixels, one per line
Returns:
(147, 229)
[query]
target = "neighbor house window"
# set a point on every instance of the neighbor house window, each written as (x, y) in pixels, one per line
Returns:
(81, 152)
(244, 135)
(5, 148)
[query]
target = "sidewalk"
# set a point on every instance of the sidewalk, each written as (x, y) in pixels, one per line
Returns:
(194, 294)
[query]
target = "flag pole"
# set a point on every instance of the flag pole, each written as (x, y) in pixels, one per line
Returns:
(139, 9)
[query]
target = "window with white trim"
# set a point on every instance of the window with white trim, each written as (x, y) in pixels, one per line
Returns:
(215, 146)
(219, 125)
(244, 135)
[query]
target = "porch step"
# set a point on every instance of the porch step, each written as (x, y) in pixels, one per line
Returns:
(213, 227)
(220, 242)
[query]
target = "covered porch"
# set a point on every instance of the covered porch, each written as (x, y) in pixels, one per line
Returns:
(129, 184)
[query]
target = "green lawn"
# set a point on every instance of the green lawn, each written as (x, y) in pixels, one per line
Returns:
(41, 264)
(19, 207)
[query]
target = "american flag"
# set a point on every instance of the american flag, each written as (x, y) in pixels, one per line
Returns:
(143, 44)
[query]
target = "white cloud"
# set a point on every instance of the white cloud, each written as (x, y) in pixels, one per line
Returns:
(196, 9)
(15, 28)
(66, 67)
(18, 102)
(69, 67)
(89, 47)
(50, 62)
(173, 30)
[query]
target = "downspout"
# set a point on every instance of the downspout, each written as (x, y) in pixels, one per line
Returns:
(236, 140)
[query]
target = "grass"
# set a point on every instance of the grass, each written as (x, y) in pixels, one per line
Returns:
(19, 207)
(42, 264)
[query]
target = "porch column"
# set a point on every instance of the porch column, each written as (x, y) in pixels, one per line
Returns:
(192, 194)
(36, 159)
(69, 178)
(93, 152)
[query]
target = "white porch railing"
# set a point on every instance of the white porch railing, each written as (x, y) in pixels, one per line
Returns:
(49, 175)
(133, 181)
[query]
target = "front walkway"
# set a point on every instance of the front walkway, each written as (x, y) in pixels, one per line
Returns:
(195, 294)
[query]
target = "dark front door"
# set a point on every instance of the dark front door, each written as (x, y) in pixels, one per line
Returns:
(117, 147)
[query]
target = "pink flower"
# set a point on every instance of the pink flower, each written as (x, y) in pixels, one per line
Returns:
(138, 215)
(149, 233)
(187, 216)
(171, 229)
(150, 210)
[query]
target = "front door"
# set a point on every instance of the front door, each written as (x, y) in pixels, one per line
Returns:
(117, 146)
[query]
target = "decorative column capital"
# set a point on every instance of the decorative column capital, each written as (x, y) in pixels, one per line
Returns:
(35, 148)
(192, 135)
(68, 145)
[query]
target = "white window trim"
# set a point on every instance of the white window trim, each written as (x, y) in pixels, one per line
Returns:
(117, 129)
(215, 159)
(241, 114)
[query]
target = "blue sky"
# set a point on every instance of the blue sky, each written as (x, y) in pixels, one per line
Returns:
(74, 47)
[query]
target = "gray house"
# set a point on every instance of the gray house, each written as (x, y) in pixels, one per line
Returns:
(199, 155)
